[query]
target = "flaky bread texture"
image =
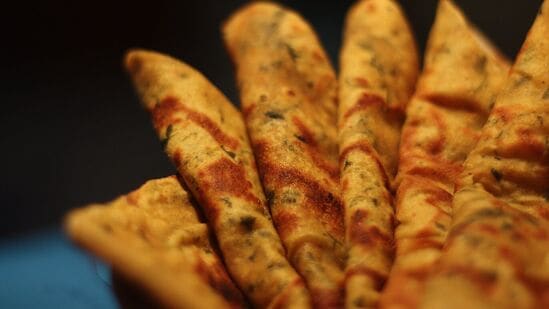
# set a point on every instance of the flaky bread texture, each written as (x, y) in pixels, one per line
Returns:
(497, 251)
(461, 77)
(378, 71)
(205, 137)
(153, 238)
(288, 98)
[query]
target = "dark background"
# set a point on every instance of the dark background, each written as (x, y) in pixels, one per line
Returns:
(72, 130)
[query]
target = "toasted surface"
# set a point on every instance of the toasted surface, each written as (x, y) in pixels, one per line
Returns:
(153, 238)
(378, 70)
(497, 252)
(461, 77)
(205, 137)
(288, 97)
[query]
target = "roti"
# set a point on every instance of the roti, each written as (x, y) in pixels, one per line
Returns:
(205, 137)
(497, 251)
(461, 77)
(378, 71)
(153, 238)
(289, 101)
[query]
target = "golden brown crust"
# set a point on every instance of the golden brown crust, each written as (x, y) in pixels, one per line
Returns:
(205, 137)
(497, 251)
(378, 70)
(288, 97)
(153, 238)
(461, 77)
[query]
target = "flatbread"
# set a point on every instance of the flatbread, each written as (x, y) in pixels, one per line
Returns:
(205, 137)
(153, 238)
(288, 97)
(461, 77)
(497, 251)
(378, 71)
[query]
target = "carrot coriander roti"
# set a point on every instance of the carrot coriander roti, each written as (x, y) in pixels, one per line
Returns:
(497, 251)
(153, 238)
(378, 70)
(288, 96)
(461, 77)
(205, 137)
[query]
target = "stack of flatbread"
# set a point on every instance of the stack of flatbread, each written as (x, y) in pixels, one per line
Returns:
(381, 187)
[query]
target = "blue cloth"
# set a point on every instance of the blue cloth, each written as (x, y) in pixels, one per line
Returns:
(45, 270)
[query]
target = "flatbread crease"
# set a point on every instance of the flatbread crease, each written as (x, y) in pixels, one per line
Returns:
(462, 75)
(153, 238)
(289, 101)
(205, 137)
(497, 251)
(378, 71)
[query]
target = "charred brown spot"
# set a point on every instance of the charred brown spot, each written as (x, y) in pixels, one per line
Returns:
(306, 135)
(496, 174)
(274, 115)
(365, 101)
(503, 113)
(436, 170)
(248, 109)
(318, 56)
(362, 82)
(529, 143)
(286, 222)
(437, 196)
(321, 201)
(324, 298)
(215, 276)
(437, 145)
(247, 223)
(489, 229)
(367, 235)
(166, 113)
(455, 103)
(224, 177)
(176, 158)
(319, 159)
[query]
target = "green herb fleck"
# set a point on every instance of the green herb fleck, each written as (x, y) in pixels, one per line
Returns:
(497, 174)
(378, 66)
(346, 164)
(365, 45)
(292, 52)
(489, 212)
(227, 202)
(276, 265)
(480, 64)
(506, 226)
(440, 226)
(546, 94)
(274, 115)
(524, 77)
(289, 197)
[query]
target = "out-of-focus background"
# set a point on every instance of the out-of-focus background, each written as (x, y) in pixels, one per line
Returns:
(72, 131)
